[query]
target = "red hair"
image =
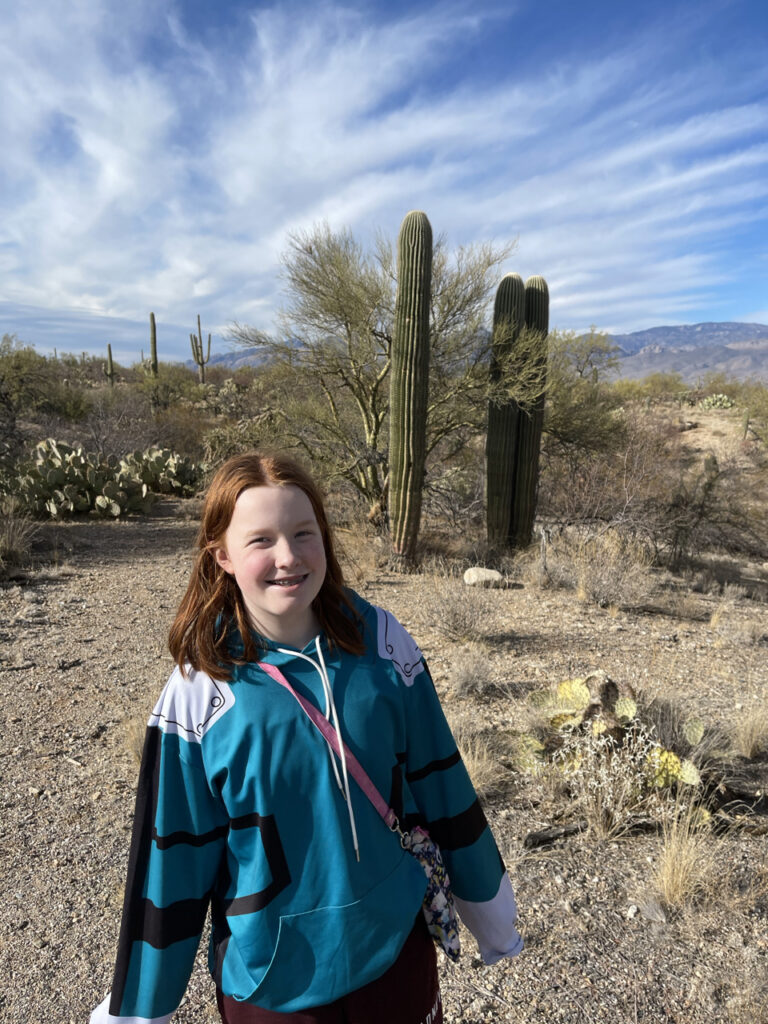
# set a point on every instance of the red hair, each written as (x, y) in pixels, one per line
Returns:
(212, 613)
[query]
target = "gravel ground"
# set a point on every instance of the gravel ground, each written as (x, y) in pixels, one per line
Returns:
(83, 658)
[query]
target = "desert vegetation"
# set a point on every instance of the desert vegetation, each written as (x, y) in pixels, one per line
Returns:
(608, 694)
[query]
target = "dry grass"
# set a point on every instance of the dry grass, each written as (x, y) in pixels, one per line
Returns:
(17, 531)
(690, 866)
(750, 734)
(135, 732)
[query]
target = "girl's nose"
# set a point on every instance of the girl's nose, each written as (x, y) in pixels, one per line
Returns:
(285, 555)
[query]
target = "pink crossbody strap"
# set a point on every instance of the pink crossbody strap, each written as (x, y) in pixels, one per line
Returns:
(359, 773)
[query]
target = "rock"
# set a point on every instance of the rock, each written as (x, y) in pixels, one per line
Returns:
(653, 911)
(477, 576)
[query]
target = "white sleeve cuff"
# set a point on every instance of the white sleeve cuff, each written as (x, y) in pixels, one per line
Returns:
(493, 923)
(101, 1015)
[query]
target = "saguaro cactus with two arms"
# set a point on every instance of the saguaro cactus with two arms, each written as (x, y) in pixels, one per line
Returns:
(197, 350)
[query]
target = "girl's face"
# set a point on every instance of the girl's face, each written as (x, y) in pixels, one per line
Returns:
(274, 549)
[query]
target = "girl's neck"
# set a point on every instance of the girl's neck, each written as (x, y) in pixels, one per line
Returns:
(296, 635)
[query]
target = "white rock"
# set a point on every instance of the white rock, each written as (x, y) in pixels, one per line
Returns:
(476, 576)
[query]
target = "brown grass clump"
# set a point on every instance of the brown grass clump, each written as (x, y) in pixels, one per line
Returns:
(750, 734)
(690, 867)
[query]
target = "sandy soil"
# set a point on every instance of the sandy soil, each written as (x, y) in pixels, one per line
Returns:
(83, 658)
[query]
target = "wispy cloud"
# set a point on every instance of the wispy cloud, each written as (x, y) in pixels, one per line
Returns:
(154, 164)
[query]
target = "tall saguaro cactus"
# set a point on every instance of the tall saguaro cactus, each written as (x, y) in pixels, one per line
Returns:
(197, 350)
(152, 346)
(503, 411)
(526, 471)
(109, 367)
(409, 385)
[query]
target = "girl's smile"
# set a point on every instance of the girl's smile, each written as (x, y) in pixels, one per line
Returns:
(274, 549)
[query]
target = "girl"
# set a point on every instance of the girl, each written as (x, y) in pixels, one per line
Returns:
(242, 804)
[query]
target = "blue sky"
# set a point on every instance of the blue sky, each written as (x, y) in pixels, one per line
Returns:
(156, 155)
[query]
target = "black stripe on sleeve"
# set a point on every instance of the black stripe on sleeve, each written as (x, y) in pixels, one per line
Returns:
(459, 830)
(440, 765)
(162, 926)
(190, 838)
(138, 861)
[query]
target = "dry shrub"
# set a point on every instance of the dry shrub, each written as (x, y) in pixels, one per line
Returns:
(607, 569)
(609, 782)
(469, 671)
(690, 864)
(17, 531)
(457, 611)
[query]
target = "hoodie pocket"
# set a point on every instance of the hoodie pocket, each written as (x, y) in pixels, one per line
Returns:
(323, 954)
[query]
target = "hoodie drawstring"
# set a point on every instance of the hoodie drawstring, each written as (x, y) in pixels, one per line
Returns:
(331, 715)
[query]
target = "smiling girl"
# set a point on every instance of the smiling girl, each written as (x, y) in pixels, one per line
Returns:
(244, 806)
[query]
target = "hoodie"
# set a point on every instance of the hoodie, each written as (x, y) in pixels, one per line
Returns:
(241, 806)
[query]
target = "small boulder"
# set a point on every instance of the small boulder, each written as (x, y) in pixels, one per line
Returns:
(477, 576)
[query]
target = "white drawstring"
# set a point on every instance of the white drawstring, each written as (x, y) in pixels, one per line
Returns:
(330, 712)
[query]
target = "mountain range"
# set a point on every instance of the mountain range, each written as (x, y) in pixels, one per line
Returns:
(692, 350)
(695, 350)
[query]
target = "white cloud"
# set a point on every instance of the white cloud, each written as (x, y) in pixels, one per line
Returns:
(149, 169)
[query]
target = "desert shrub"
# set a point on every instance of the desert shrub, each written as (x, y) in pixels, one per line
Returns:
(454, 494)
(611, 567)
(31, 384)
(120, 421)
(610, 782)
(223, 440)
(457, 611)
(654, 387)
(183, 429)
(469, 671)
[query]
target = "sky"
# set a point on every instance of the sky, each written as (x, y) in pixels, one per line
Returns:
(156, 155)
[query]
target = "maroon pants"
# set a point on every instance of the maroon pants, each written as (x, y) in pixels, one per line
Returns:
(408, 993)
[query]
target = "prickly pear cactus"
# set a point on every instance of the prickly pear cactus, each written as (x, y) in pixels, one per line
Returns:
(409, 386)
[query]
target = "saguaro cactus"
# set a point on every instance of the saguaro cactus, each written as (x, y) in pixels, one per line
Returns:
(109, 367)
(526, 466)
(409, 385)
(153, 372)
(197, 350)
(503, 411)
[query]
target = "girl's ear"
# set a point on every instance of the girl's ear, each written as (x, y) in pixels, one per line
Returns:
(222, 559)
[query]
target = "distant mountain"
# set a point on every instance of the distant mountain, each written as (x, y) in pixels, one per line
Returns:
(692, 350)
(234, 360)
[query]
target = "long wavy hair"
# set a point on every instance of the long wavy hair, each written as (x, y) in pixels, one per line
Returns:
(212, 613)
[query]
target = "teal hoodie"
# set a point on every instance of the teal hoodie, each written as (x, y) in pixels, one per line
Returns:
(241, 807)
